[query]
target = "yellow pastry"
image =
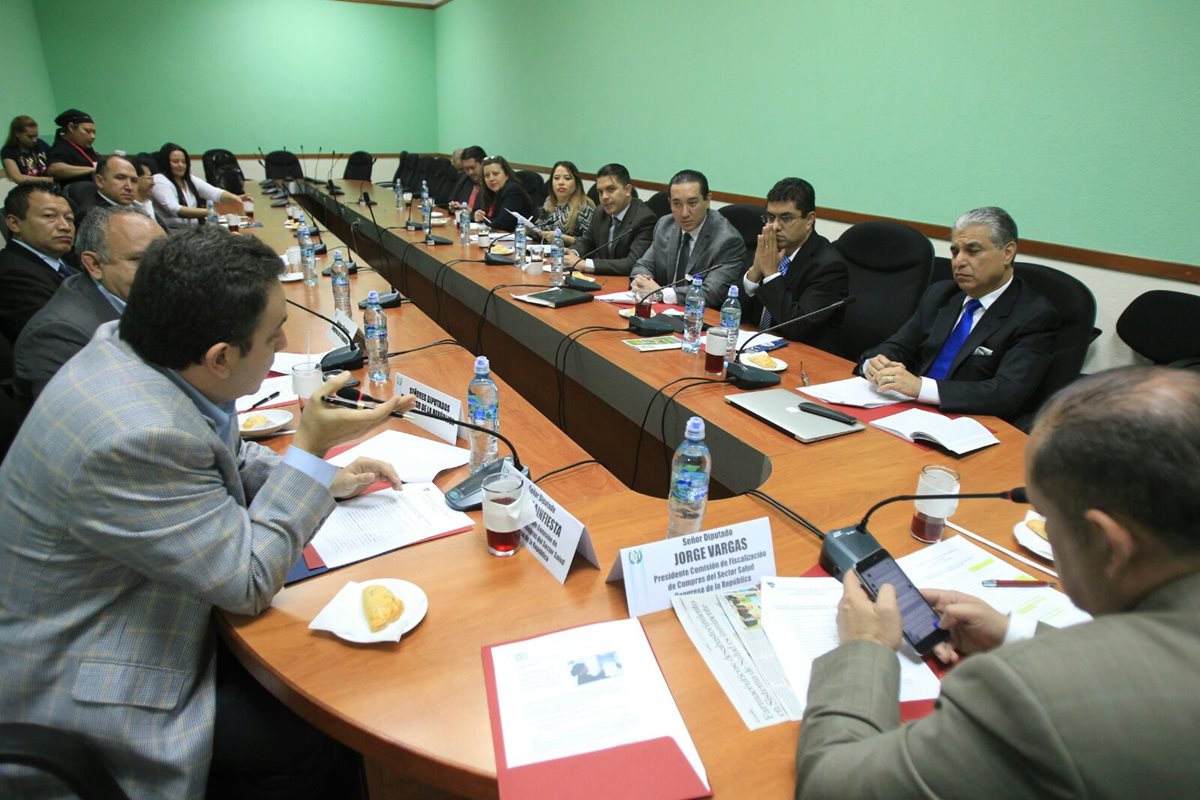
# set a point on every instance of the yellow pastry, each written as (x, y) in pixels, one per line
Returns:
(381, 607)
(255, 421)
(763, 360)
(1038, 526)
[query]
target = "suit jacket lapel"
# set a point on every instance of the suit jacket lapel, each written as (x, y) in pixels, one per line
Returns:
(943, 323)
(991, 320)
(701, 245)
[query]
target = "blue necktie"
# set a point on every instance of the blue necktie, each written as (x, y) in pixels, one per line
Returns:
(766, 320)
(66, 270)
(958, 337)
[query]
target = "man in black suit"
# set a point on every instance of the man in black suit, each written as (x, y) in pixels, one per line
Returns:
(980, 344)
(796, 270)
(116, 185)
(110, 244)
(692, 239)
(620, 215)
(31, 267)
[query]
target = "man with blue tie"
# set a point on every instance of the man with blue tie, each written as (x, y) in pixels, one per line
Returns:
(796, 271)
(979, 344)
(32, 267)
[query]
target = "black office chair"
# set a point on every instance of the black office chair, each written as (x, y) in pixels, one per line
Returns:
(535, 186)
(359, 166)
(282, 165)
(421, 173)
(888, 267)
(1161, 325)
(1076, 307)
(221, 169)
(748, 221)
(407, 170)
(659, 203)
(942, 270)
(80, 194)
(442, 177)
(63, 754)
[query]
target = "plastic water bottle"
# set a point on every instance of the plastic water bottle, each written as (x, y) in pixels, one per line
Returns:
(690, 470)
(426, 214)
(212, 217)
(308, 254)
(693, 315)
(731, 318)
(375, 331)
(557, 276)
(464, 226)
(483, 409)
(520, 244)
(399, 187)
(341, 284)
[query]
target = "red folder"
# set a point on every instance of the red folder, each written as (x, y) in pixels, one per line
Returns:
(650, 770)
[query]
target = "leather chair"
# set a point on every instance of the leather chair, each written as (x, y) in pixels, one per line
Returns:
(66, 755)
(359, 166)
(888, 267)
(748, 221)
(283, 165)
(535, 186)
(79, 193)
(442, 178)
(659, 203)
(1161, 326)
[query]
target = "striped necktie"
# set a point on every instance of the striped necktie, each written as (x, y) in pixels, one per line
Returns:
(766, 320)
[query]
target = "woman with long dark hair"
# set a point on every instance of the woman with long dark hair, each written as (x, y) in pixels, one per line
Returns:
(24, 154)
(180, 198)
(567, 206)
(500, 195)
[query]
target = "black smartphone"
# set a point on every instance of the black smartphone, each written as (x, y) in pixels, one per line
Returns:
(922, 628)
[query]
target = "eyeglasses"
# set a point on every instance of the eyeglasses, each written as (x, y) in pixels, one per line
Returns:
(782, 219)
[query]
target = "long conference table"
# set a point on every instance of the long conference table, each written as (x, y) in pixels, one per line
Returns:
(418, 708)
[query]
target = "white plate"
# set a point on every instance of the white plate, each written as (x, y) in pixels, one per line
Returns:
(436, 221)
(277, 418)
(780, 364)
(438, 215)
(291, 277)
(1030, 540)
(344, 617)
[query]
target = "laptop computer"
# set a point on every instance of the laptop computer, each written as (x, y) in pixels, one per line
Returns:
(780, 409)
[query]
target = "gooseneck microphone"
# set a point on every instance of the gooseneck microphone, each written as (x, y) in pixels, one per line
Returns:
(592, 286)
(744, 376)
(348, 357)
(663, 324)
(843, 548)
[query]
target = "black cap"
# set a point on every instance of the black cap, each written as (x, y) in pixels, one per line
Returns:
(72, 115)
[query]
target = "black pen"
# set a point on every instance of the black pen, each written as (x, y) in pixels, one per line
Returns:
(342, 402)
(266, 399)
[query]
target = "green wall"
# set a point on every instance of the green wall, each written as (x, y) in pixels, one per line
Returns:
(241, 74)
(1082, 118)
(27, 88)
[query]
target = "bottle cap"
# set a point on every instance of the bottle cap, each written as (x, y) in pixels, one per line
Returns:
(372, 297)
(695, 428)
(697, 280)
(733, 290)
(482, 367)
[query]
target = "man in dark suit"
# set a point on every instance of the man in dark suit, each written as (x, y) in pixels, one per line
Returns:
(116, 185)
(795, 270)
(980, 344)
(32, 267)
(110, 244)
(621, 215)
(694, 238)
(1106, 708)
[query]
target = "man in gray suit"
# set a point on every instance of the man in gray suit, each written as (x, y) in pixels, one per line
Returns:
(110, 243)
(130, 508)
(692, 239)
(1108, 708)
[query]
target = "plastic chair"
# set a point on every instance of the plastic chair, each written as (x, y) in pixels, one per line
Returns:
(66, 755)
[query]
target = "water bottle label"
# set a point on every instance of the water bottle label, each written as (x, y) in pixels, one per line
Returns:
(690, 485)
(480, 413)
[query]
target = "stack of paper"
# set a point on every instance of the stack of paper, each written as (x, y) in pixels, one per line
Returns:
(856, 391)
(959, 436)
(415, 458)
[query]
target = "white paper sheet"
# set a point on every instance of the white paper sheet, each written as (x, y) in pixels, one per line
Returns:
(618, 297)
(800, 617)
(582, 690)
(959, 564)
(375, 523)
(416, 459)
(854, 391)
(282, 384)
(284, 362)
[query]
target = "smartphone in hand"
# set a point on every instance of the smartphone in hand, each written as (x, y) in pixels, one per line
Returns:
(922, 627)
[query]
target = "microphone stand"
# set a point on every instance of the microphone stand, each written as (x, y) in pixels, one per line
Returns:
(660, 325)
(745, 376)
(348, 357)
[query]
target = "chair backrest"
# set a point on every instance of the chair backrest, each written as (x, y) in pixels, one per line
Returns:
(150, 160)
(421, 173)
(78, 193)
(221, 169)
(748, 221)
(359, 166)
(1162, 326)
(535, 186)
(442, 178)
(407, 170)
(213, 160)
(283, 165)
(1076, 307)
(659, 203)
(942, 270)
(65, 754)
(888, 267)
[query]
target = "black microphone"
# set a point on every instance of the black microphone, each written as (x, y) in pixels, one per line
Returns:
(843, 548)
(365, 200)
(744, 376)
(262, 162)
(332, 188)
(348, 357)
(663, 323)
(592, 286)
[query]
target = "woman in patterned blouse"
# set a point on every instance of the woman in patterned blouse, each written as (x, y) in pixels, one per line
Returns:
(567, 207)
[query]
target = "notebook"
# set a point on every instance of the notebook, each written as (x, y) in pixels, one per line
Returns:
(780, 409)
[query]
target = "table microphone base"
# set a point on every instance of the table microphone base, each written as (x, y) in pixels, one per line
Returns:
(653, 326)
(495, 260)
(348, 357)
(745, 377)
(432, 240)
(468, 495)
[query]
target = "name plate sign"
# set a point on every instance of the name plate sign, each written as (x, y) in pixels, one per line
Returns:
(554, 536)
(716, 560)
(434, 401)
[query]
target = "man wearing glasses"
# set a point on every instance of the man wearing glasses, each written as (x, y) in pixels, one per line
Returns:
(795, 269)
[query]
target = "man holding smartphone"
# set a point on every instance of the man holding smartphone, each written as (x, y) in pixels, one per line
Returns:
(1107, 708)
